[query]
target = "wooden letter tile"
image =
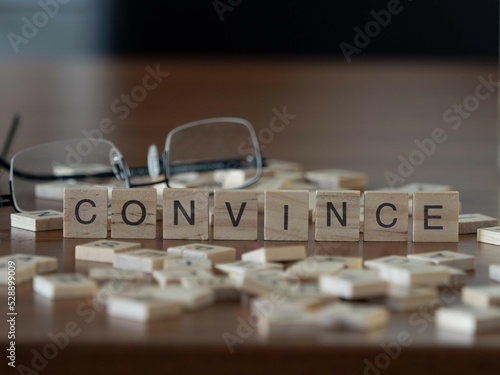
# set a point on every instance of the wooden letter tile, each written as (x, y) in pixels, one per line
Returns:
(235, 215)
(354, 284)
(185, 214)
(276, 254)
(103, 250)
(286, 215)
(37, 221)
(447, 258)
(484, 296)
(386, 216)
(85, 213)
(467, 320)
(143, 307)
(337, 216)
(494, 272)
(145, 260)
(133, 213)
(435, 216)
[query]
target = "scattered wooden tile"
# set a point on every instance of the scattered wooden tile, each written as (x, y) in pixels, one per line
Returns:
(190, 298)
(123, 287)
(145, 260)
(470, 223)
(133, 213)
(489, 235)
(24, 271)
(353, 317)
(391, 259)
(185, 214)
(263, 282)
(406, 299)
(483, 296)
(337, 216)
(435, 216)
(313, 267)
(385, 216)
(101, 274)
(467, 320)
(494, 272)
(337, 178)
(143, 308)
(173, 277)
(223, 287)
(103, 250)
(43, 264)
(411, 274)
(37, 221)
(235, 215)
(244, 266)
(287, 322)
(354, 284)
(290, 302)
(64, 286)
(189, 263)
(85, 212)
(275, 254)
(286, 215)
(447, 258)
(216, 254)
(457, 277)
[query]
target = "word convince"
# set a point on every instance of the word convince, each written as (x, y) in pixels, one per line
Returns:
(337, 215)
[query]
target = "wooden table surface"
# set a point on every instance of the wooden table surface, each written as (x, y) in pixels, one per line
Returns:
(362, 116)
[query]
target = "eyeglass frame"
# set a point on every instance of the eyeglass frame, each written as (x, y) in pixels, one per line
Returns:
(122, 172)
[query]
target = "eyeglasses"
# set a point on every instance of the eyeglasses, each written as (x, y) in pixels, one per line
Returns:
(220, 152)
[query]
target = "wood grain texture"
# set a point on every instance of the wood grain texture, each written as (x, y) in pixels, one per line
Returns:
(235, 215)
(435, 216)
(37, 221)
(85, 213)
(185, 214)
(133, 213)
(286, 215)
(386, 216)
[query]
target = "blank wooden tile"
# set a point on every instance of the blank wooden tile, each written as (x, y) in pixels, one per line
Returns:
(494, 272)
(353, 317)
(286, 215)
(37, 221)
(24, 271)
(467, 320)
(64, 286)
(185, 214)
(133, 213)
(276, 254)
(290, 302)
(143, 307)
(103, 250)
(482, 296)
(354, 284)
(101, 274)
(166, 278)
(216, 254)
(447, 258)
(385, 216)
(391, 259)
(338, 178)
(85, 213)
(123, 287)
(262, 282)
(435, 216)
(244, 266)
(489, 235)
(145, 260)
(470, 223)
(337, 216)
(235, 215)
(457, 277)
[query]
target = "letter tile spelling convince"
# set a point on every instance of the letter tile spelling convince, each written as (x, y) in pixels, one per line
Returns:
(186, 215)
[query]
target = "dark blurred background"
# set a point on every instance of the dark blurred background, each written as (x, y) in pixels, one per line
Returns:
(432, 28)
